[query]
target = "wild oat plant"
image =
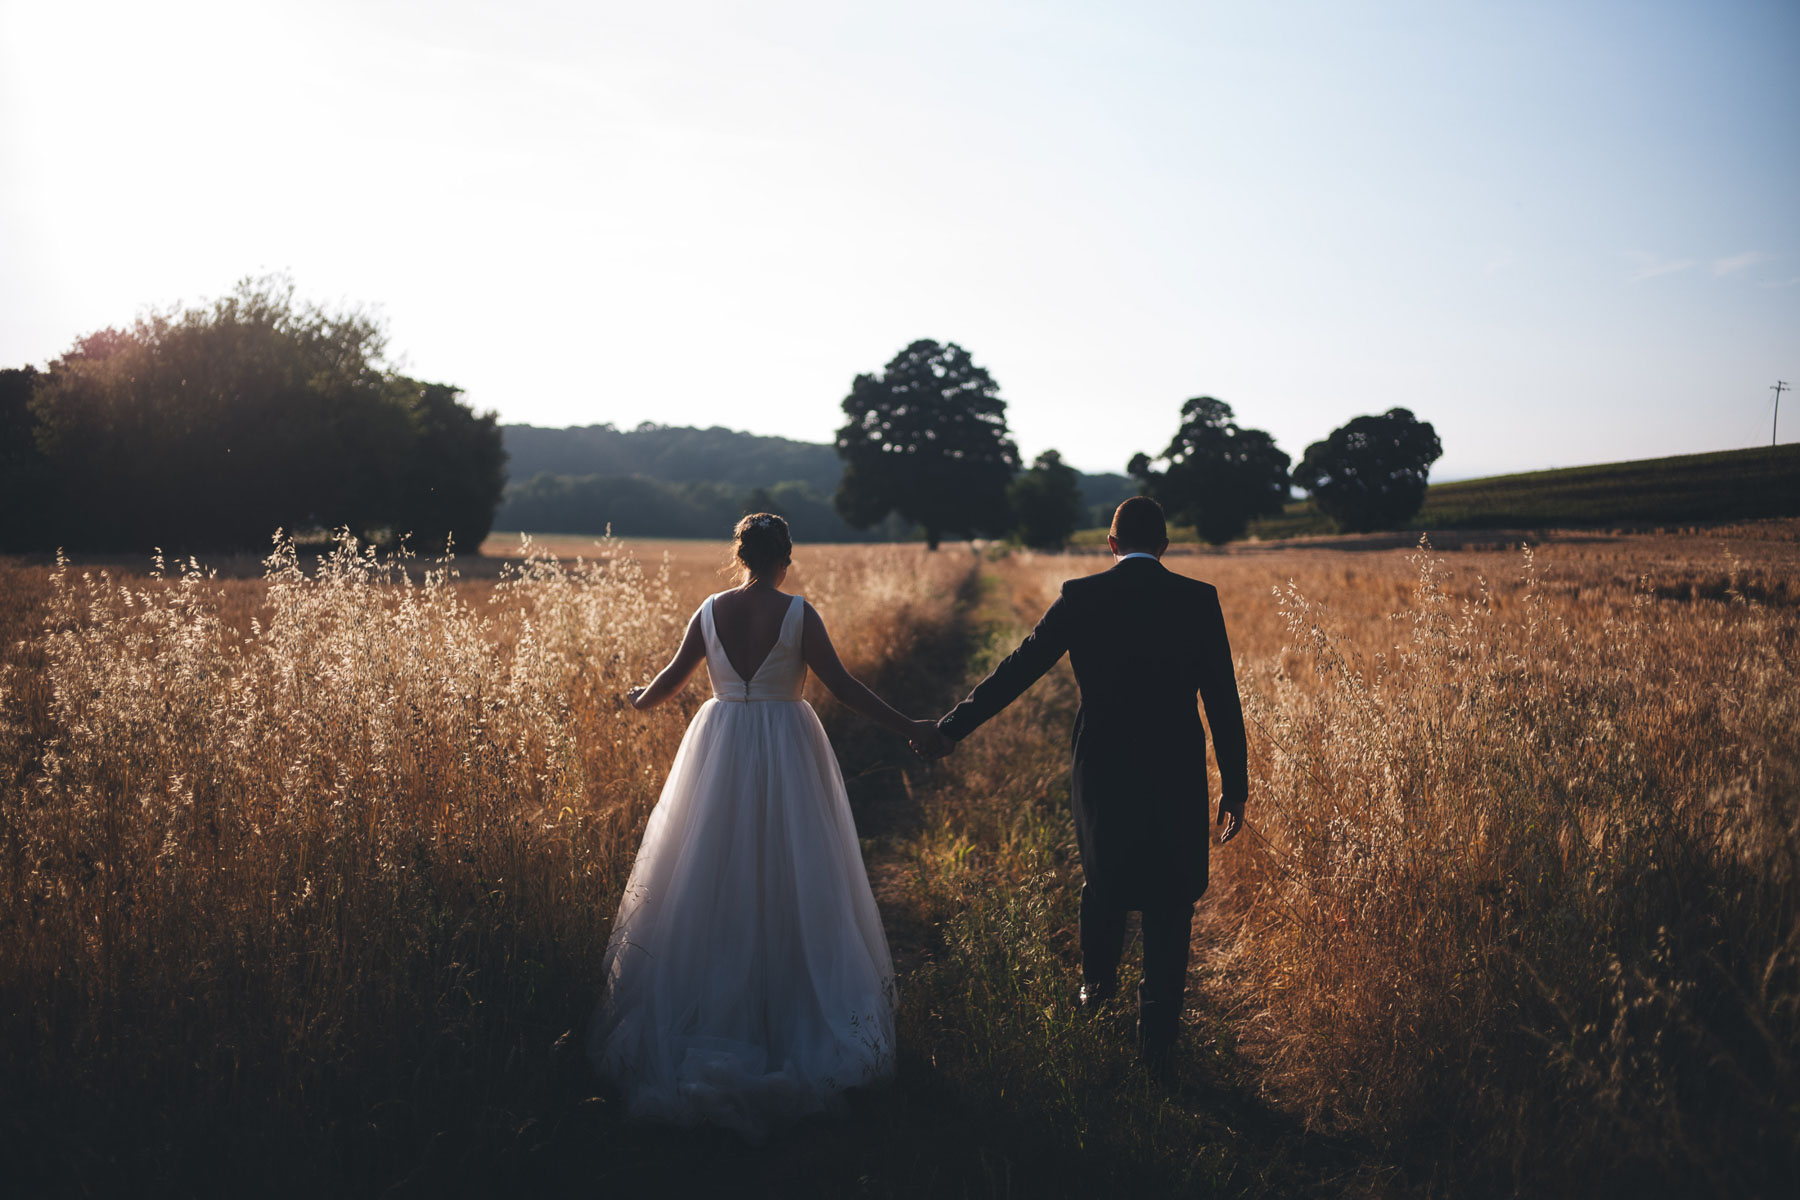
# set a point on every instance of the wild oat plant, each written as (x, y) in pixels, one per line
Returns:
(251, 866)
(1527, 880)
(331, 858)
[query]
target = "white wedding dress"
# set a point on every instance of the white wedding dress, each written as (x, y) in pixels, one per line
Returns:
(748, 977)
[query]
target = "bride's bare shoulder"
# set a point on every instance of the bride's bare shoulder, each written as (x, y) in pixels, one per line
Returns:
(766, 603)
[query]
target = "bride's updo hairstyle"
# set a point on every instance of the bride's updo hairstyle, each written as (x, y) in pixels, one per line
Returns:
(761, 545)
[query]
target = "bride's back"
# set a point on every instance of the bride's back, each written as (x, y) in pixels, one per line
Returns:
(748, 624)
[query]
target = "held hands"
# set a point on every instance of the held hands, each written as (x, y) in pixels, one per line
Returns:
(1232, 818)
(929, 742)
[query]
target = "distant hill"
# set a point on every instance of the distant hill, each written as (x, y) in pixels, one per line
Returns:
(680, 481)
(671, 453)
(1688, 489)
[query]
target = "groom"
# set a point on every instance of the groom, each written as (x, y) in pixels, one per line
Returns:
(1143, 640)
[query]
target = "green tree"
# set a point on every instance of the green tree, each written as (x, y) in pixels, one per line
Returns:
(1371, 473)
(1217, 476)
(29, 503)
(214, 426)
(457, 469)
(927, 439)
(760, 500)
(1046, 503)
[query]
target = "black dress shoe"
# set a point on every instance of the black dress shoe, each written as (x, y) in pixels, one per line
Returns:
(1093, 996)
(1159, 1023)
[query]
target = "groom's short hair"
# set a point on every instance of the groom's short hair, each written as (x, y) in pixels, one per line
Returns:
(1139, 523)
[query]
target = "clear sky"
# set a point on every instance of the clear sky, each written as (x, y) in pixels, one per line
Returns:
(1563, 232)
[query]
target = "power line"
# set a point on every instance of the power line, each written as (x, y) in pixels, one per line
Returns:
(1778, 387)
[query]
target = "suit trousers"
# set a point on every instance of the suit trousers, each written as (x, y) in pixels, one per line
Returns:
(1166, 930)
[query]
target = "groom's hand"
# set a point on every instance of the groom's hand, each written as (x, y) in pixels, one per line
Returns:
(942, 744)
(947, 742)
(1231, 816)
(929, 743)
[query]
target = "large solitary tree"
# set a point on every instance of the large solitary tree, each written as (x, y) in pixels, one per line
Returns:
(926, 438)
(1371, 474)
(1216, 475)
(1046, 503)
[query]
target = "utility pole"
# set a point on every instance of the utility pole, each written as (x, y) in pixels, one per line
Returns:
(1778, 387)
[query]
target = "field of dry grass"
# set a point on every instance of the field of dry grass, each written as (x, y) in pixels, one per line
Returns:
(1518, 901)
(326, 861)
(341, 842)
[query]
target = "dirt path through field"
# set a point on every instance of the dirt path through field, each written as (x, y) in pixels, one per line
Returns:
(885, 780)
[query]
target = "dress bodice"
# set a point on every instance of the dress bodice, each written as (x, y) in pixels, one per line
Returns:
(782, 675)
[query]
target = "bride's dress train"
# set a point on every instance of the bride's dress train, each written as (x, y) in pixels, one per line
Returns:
(748, 977)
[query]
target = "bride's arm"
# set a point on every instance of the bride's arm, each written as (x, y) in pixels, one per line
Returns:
(691, 654)
(852, 693)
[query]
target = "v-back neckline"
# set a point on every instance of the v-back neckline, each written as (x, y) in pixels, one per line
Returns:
(780, 634)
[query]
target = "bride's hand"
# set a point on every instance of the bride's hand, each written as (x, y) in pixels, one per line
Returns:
(634, 695)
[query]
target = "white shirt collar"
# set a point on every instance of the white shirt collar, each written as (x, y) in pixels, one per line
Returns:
(1134, 554)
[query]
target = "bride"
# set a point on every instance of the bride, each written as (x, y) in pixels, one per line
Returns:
(748, 980)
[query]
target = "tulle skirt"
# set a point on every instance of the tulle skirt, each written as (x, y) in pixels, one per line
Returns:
(748, 977)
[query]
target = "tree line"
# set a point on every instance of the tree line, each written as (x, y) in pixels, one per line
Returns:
(672, 454)
(213, 426)
(926, 438)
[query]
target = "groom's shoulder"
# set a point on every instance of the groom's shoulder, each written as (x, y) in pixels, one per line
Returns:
(1183, 589)
(1197, 592)
(1198, 587)
(1083, 585)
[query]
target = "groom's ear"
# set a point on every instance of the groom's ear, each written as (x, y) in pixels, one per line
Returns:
(1112, 543)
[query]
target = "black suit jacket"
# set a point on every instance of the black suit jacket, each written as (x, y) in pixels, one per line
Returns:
(1143, 640)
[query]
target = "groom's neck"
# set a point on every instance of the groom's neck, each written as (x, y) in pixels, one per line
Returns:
(1121, 549)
